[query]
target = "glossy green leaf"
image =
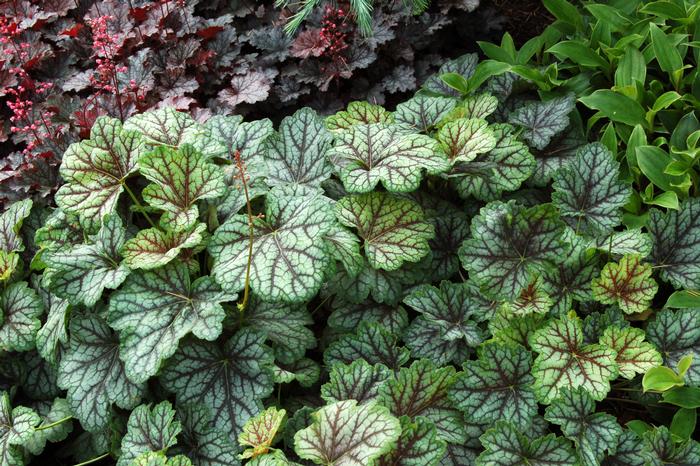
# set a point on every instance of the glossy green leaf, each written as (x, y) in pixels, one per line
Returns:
(95, 171)
(541, 121)
(616, 107)
(21, 308)
(506, 446)
(563, 360)
(497, 386)
(81, 273)
(297, 153)
(230, 379)
(368, 154)
(348, 434)
(393, 229)
(634, 355)
(165, 127)
(627, 283)
(16, 428)
(155, 309)
(355, 381)
(180, 177)
(510, 244)
(150, 429)
(593, 433)
(92, 373)
(358, 113)
(588, 192)
(676, 235)
(288, 259)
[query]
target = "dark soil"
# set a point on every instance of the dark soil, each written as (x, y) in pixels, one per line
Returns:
(524, 19)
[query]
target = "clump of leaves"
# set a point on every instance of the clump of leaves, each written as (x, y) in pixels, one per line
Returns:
(67, 63)
(449, 283)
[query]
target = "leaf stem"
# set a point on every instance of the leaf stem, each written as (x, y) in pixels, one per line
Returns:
(93, 460)
(251, 232)
(140, 206)
(54, 424)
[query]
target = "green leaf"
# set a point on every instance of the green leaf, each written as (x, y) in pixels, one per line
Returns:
(152, 458)
(685, 397)
(297, 154)
(21, 308)
(371, 342)
(289, 258)
(563, 361)
(588, 192)
(503, 168)
(393, 228)
(153, 248)
(627, 283)
(224, 135)
(305, 371)
(676, 235)
(155, 309)
(95, 171)
(150, 429)
(510, 244)
(230, 379)
(447, 324)
(677, 334)
(423, 112)
(345, 247)
(201, 442)
(259, 432)
(465, 138)
(92, 373)
(497, 386)
(477, 106)
(660, 449)
(180, 177)
(542, 120)
(628, 451)
(82, 272)
(283, 324)
(506, 446)
(53, 333)
(358, 113)
(683, 424)
(630, 241)
(53, 426)
(347, 316)
(421, 390)
(10, 239)
(570, 279)
(418, 445)
(514, 330)
(464, 66)
(634, 355)
(355, 381)
(683, 299)
(616, 107)
(16, 428)
(348, 434)
(652, 161)
(593, 433)
(368, 154)
(665, 51)
(165, 127)
(579, 53)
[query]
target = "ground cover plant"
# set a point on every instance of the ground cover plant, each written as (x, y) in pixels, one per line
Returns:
(634, 64)
(449, 283)
(65, 63)
(488, 273)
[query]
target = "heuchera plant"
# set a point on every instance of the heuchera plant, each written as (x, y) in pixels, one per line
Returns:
(445, 284)
(65, 63)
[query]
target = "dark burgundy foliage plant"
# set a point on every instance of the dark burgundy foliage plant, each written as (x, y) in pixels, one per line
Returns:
(64, 63)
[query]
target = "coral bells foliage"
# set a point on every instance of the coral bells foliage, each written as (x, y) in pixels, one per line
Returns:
(66, 63)
(448, 284)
